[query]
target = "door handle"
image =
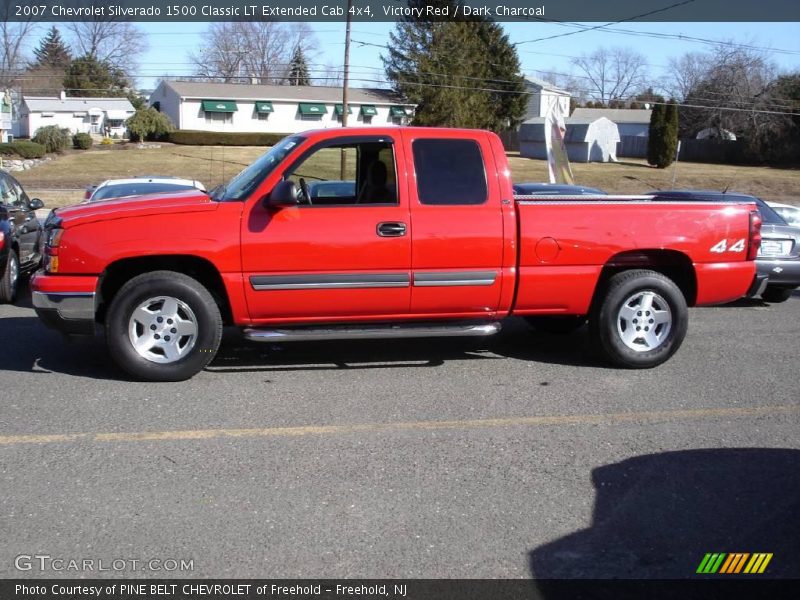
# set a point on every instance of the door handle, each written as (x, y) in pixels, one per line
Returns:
(391, 229)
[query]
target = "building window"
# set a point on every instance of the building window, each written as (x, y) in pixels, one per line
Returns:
(262, 116)
(311, 111)
(220, 118)
(367, 119)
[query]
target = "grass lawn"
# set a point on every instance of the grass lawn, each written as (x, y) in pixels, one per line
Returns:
(61, 181)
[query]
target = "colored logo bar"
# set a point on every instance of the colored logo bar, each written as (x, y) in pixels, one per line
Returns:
(735, 562)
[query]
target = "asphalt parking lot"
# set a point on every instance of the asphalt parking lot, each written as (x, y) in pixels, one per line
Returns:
(513, 458)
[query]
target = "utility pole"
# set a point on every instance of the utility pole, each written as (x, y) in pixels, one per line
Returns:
(346, 80)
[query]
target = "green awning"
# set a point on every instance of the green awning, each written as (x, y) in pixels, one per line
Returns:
(309, 108)
(368, 110)
(399, 111)
(223, 106)
(264, 106)
(338, 109)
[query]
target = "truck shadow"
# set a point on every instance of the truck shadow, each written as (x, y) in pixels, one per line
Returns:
(656, 516)
(517, 341)
(36, 349)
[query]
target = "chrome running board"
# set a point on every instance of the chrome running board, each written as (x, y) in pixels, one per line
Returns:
(371, 332)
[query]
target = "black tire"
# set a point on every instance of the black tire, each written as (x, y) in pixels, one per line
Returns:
(8, 283)
(559, 325)
(775, 294)
(607, 323)
(176, 286)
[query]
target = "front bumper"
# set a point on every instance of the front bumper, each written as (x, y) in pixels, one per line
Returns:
(784, 272)
(65, 303)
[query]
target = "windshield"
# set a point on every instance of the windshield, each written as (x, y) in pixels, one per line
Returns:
(768, 214)
(124, 190)
(243, 184)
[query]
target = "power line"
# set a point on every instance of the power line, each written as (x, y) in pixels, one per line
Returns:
(596, 27)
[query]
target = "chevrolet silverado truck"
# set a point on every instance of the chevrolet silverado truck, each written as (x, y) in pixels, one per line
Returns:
(417, 235)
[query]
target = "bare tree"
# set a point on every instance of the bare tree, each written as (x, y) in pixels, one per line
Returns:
(612, 73)
(118, 43)
(685, 73)
(733, 92)
(331, 75)
(12, 52)
(223, 58)
(251, 51)
(269, 49)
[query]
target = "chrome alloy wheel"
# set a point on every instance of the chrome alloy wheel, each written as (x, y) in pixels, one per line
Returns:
(13, 272)
(644, 321)
(162, 329)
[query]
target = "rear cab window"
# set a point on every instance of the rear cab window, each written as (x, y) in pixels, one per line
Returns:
(449, 172)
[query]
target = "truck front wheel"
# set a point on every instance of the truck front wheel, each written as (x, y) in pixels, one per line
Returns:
(163, 326)
(641, 321)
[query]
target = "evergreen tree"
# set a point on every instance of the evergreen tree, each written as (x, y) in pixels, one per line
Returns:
(52, 51)
(459, 74)
(298, 68)
(46, 73)
(670, 134)
(88, 77)
(655, 139)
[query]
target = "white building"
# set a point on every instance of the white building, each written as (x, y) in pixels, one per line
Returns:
(586, 140)
(236, 107)
(79, 115)
(543, 96)
(630, 121)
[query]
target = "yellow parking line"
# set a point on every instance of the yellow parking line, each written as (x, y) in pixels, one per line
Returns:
(585, 419)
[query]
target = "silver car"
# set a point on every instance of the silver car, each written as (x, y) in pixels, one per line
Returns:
(778, 259)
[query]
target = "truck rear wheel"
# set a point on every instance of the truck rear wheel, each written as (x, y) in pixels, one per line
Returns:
(163, 326)
(641, 321)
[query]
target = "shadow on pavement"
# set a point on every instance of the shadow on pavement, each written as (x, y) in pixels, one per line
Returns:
(656, 516)
(516, 340)
(38, 349)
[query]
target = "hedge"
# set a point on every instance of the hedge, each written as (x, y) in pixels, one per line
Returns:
(82, 141)
(23, 149)
(52, 137)
(218, 138)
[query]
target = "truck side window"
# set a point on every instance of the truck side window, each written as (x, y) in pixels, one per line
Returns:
(449, 172)
(368, 178)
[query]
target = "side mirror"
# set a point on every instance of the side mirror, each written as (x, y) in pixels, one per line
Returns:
(282, 195)
(36, 204)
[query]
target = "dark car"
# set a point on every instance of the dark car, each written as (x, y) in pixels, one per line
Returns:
(779, 257)
(554, 189)
(20, 233)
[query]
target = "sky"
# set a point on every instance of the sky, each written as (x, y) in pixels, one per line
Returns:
(168, 49)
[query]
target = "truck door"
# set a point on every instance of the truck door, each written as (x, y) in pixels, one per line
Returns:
(457, 226)
(344, 253)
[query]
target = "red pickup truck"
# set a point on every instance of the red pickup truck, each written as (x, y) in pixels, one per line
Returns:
(385, 233)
